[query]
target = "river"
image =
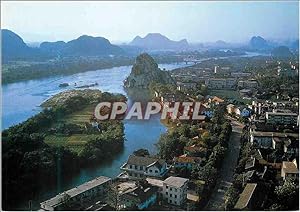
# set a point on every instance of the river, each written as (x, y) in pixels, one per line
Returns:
(21, 100)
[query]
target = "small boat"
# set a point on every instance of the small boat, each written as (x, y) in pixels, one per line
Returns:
(62, 85)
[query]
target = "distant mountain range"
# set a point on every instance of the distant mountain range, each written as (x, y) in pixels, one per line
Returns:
(281, 52)
(157, 41)
(259, 43)
(13, 47)
(83, 46)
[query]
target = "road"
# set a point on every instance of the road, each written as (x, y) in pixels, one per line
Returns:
(216, 201)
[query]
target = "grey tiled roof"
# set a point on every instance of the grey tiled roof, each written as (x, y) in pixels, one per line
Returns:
(144, 161)
(177, 182)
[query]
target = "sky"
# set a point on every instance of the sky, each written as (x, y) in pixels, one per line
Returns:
(122, 21)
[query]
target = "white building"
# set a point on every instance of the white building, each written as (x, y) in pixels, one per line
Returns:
(289, 169)
(141, 167)
(175, 190)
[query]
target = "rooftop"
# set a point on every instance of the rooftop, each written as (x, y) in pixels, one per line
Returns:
(144, 161)
(155, 182)
(177, 182)
(187, 159)
(245, 196)
(281, 114)
(195, 148)
(217, 99)
(289, 167)
(274, 134)
(60, 198)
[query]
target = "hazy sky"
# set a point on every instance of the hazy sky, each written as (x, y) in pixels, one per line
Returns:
(122, 21)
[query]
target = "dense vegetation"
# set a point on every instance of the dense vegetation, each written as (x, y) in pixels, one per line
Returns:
(213, 135)
(66, 66)
(27, 70)
(28, 162)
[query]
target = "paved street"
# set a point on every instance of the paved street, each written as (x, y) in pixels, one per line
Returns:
(216, 201)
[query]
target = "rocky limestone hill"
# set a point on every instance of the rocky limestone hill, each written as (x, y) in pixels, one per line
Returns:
(144, 71)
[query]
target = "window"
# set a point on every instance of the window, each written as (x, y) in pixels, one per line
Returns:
(170, 201)
(166, 193)
(141, 168)
(150, 170)
(130, 166)
(175, 202)
(170, 195)
(167, 187)
(175, 196)
(175, 189)
(156, 171)
(170, 189)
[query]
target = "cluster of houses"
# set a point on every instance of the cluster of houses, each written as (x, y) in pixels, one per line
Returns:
(274, 137)
(77, 198)
(292, 71)
(240, 81)
(144, 182)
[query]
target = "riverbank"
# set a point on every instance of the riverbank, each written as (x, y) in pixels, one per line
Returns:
(28, 95)
(54, 144)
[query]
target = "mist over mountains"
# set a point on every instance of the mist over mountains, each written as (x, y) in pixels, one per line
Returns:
(14, 47)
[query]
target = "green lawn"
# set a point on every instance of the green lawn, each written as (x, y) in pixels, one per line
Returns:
(74, 142)
(80, 117)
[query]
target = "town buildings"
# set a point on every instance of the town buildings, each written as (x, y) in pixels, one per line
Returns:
(188, 162)
(135, 195)
(240, 74)
(175, 190)
(142, 167)
(75, 197)
(289, 170)
(252, 84)
(221, 83)
(282, 118)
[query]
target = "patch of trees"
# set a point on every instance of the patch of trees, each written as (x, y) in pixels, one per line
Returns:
(232, 194)
(219, 134)
(29, 164)
(105, 145)
(274, 83)
(172, 144)
(65, 66)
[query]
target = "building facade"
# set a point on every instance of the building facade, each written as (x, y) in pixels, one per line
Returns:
(282, 118)
(78, 195)
(175, 190)
(142, 167)
(221, 83)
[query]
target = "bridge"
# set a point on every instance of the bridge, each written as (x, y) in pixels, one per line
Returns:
(192, 60)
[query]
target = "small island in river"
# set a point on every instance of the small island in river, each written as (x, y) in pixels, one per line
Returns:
(58, 141)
